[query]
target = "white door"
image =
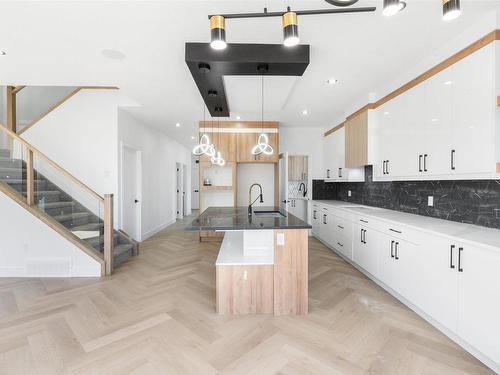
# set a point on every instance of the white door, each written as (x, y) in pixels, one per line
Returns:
(195, 184)
(184, 188)
(131, 208)
(283, 192)
(479, 299)
(179, 188)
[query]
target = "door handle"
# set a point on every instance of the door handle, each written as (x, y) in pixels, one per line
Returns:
(425, 162)
(396, 249)
(196, 191)
(452, 247)
(392, 249)
(136, 201)
(452, 160)
(284, 201)
(420, 163)
(460, 269)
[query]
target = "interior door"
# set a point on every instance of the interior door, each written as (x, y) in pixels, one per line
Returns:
(283, 189)
(131, 204)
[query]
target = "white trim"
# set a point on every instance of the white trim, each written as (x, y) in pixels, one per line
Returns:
(239, 130)
(159, 228)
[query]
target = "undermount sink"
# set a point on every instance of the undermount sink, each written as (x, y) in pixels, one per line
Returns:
(268, 213)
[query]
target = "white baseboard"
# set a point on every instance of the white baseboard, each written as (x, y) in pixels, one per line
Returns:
(450, 334)
(159, 228)
(12, 272)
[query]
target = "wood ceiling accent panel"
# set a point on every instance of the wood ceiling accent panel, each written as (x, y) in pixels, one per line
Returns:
(470, 49)
(240, 59)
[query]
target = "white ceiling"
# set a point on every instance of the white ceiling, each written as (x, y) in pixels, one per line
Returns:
(61, 43)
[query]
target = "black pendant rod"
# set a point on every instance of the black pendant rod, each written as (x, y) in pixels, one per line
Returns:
(299, 13)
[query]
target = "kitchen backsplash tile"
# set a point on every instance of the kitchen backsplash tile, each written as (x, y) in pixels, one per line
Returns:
(293, 189)
(470, 201)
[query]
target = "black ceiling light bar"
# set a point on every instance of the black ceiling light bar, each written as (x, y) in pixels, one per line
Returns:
(298, 12)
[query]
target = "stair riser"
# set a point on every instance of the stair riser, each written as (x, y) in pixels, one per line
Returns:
(11, 163)
(50, 198)
(18, 185)
(12, 173)
(4, 153)
(61, 210)
(74, 222)
(117, 260)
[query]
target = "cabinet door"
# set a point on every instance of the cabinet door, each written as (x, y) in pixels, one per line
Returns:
(386, 271)
(226, 143)
(297, 168)
(365, 247)
(245, 143)
(436, 291)
(274, 142)
(474, 112)
(339, 172)
(479, 299)
(316, 221)
(356, 141)
(328, 156)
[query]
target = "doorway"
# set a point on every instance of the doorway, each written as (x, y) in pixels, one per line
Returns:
(180, 170)
(131, 192)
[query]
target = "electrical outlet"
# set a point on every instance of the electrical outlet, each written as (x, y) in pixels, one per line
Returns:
(280, 239)
(430, 201)
(349, 193)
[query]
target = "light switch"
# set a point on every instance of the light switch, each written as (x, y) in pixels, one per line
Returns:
(280, 239)
(430, 201)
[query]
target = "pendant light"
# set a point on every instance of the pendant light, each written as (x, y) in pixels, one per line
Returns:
(203, 147)
(451, 9)
(218, 32)
(262, 146)
(290, 29)
(393, 7)
(217, 158)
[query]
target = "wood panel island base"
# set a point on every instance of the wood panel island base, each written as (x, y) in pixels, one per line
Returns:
(262, 265)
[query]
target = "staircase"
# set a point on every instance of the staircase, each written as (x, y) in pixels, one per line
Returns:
(53, 204)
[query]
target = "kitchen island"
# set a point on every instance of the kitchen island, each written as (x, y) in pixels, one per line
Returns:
(262, 265)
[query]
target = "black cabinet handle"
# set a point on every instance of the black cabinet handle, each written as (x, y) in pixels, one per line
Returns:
(324, 219)
(363, 221)
(383, 167)
(395, 231)
(392, 249)
(340, 244)
(425, 162)
(460, 269)
(420, 163)
(452, 247)
(314, 215)
(341, 227)
(387, 167)
(327, 173)
(364, 236)
(361, 235)
(452, 160)
(396, 246)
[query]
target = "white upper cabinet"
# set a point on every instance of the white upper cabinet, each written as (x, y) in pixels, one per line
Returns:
(442, 128)
(334, 159)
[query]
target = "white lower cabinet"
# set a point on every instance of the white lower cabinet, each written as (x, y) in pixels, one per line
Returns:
(365, 244)
(479, 299)
(456, 284)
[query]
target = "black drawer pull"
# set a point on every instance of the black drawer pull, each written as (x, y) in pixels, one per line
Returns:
(452, 247)
(395, 231)
(341, 227)
(396, 245)
(363, 221)
(340, 244)
(392, 249)
(420, 163)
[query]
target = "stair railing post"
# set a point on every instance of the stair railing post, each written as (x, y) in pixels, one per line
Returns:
(30, 176)
(108, 233)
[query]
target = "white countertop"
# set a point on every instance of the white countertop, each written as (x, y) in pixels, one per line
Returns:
(231, 252)
(473, 234)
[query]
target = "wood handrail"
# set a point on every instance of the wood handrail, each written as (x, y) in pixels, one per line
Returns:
(56, 166)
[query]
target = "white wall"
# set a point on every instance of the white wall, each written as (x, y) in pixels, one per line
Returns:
(263, 174)
(42, 245)
(159, 155)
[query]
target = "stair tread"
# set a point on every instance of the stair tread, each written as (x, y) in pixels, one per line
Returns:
(74, 215)
(88, 227)
(99, 239)
(60, 204)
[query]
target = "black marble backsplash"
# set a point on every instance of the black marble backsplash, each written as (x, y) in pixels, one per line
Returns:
(470, 201)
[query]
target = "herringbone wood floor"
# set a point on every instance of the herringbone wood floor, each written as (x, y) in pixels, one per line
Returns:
(156, 315)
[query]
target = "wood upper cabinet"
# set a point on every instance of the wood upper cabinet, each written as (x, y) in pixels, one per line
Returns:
(245, 143)
(356, 141)
(297, 167)
(225, 143)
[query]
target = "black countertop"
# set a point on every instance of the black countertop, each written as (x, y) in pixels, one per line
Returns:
(237, 218)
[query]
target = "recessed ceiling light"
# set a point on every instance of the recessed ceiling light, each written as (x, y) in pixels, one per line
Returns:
(332, 81)
(304, 112)
(3, 53)
(434, 120)
(192, 137)
(238, 118)
(448, 82)
(113, 54)
(178, 125)
(386, 113)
